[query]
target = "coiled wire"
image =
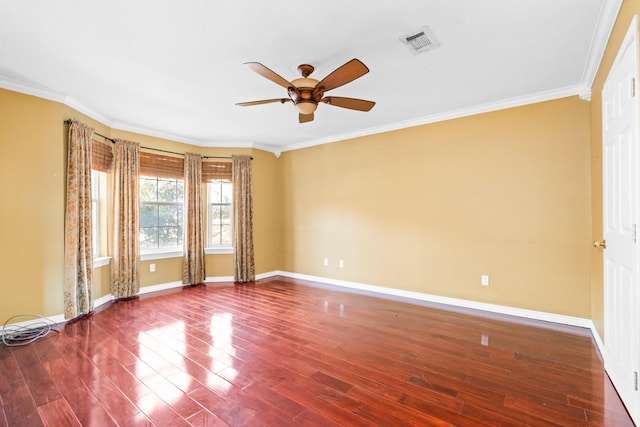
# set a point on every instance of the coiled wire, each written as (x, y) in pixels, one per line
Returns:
(14, 335)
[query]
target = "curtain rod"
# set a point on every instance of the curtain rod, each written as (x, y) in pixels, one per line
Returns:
(113, 141)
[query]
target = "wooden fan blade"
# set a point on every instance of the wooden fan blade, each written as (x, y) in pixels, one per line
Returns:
(343, 75)
(268, 74)
(264, 101)
(350, 103)
(304, 118)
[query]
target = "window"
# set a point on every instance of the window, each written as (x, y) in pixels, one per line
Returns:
(219, 213)
(95, 211)
(101, 160)
(161, 213)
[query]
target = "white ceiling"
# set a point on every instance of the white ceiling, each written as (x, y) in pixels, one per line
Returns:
(174, 68)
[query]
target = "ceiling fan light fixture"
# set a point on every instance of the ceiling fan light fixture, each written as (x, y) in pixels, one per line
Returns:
(306, 107)
(304, 82)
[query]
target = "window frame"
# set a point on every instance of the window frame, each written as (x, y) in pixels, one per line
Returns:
(99, 219)
(222, 248)
(167, 251)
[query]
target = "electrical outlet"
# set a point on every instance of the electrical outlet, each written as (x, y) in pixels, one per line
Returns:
(484, 280)
(326, 262)
(152, 267)
(484, 340)
(341, 264)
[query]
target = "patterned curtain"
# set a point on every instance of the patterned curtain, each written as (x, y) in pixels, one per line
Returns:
(244, 268)
(125, 275)
(78, 241)
(193, 271)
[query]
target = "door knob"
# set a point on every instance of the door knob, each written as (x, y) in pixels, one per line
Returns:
(600, 243)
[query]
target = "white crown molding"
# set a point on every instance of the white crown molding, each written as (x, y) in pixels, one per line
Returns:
(40, 92)
(44, 93)
(269, 148)
(606, 20)
(81, 108)
(550, 95)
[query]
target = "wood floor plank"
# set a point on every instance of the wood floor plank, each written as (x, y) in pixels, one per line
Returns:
(17, 404)
(205, 418)
(43, 389)
(286, 352)
(3, 416)
(83, 403)
(58, 413)
(113, 400)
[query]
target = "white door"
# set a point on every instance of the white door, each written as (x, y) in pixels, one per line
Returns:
(620, 216)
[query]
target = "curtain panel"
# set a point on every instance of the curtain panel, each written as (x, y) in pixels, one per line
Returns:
(193, 264)
(244, 268)
(125, 275)
(78, 242)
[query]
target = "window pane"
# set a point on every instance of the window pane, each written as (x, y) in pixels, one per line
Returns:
(180, 191)
(227, 192)
(149, 189)
(225, 234)
(170, 236)
(214, 213)
(167, 190)
(148, 215)
(215, 236)
(225, 214)
(214, 192)
(149, 238)
(168, 215)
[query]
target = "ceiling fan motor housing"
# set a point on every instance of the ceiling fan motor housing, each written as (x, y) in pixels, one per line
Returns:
(305, 92)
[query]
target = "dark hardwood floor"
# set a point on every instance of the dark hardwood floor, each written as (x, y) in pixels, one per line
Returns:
(282, 353)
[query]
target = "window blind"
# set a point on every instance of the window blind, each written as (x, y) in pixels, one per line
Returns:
(216, 170)
(101, 156)
(161, 166)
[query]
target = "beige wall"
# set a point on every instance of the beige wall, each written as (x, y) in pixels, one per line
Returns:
(32, 191)
(628, 10)
(432, 208)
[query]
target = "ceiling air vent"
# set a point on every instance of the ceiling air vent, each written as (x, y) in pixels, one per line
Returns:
(420, 41)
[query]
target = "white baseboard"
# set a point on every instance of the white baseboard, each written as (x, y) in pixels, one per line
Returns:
(418, 297)
(218, 279)
(598, 339)
(379, 291)
(102, 300)
(454, 302)
(160, 287)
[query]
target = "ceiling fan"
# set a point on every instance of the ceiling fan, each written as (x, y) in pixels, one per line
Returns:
(306, 92)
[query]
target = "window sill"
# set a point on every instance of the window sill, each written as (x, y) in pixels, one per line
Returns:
(147, 256)
(101, 261)
(219, 250)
